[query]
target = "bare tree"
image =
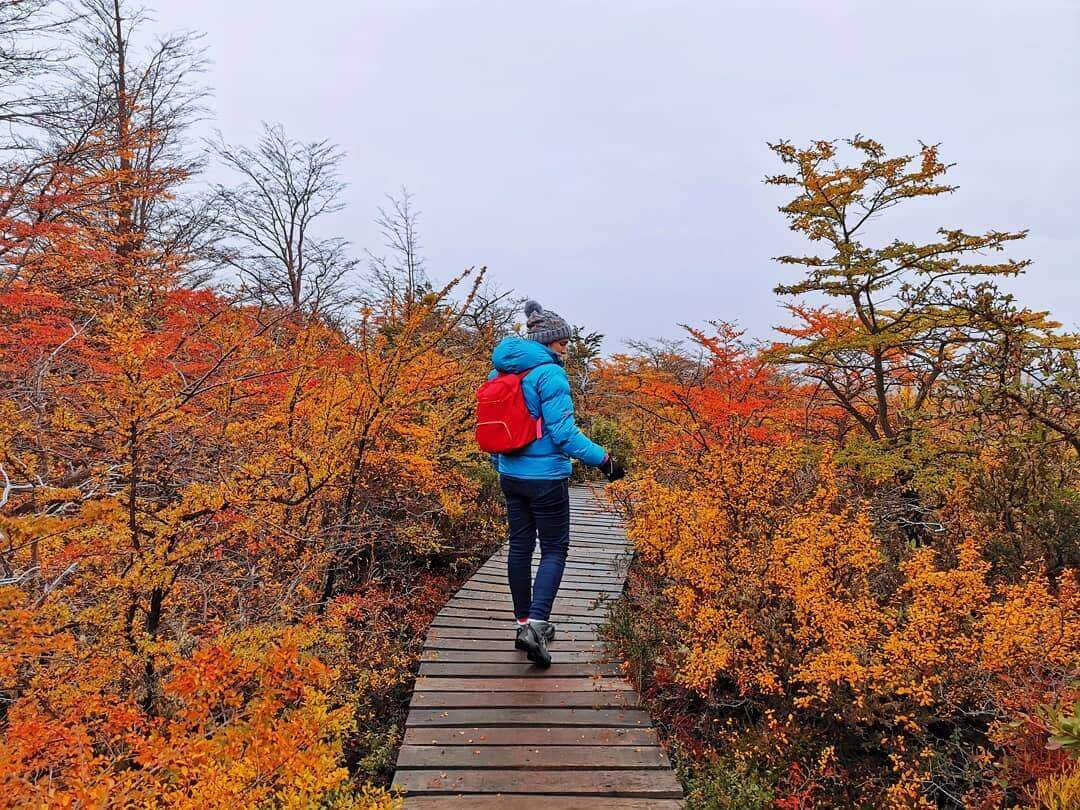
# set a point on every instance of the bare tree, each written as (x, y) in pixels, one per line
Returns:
(126, 115)
(399, 278)
(267, 221)
(110, 119)
(30, 51)
(493, 311)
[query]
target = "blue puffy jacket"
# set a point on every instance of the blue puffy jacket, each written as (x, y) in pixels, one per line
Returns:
(547, 394)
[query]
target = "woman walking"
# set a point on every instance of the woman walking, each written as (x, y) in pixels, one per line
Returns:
(535, 479)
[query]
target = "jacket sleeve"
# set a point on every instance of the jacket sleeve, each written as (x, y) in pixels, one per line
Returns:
(557, 414)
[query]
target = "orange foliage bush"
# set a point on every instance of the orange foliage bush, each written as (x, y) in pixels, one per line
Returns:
(789, 592)
(213, 517)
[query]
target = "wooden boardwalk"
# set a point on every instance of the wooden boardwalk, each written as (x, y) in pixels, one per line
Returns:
(487, 729)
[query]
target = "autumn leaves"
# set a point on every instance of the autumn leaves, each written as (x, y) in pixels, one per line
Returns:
(830, 521)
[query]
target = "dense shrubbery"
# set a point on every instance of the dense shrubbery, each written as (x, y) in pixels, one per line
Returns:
(222, 540)
(227, 517)
(857, 580)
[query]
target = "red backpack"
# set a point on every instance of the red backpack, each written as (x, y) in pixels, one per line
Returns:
(503, 421)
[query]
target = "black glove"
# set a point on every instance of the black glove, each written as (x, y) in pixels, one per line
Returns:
(612, 469)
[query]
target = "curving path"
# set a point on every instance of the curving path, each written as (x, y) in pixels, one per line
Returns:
(487, 729)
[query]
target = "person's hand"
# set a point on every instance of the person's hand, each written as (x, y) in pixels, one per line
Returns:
(611, 469)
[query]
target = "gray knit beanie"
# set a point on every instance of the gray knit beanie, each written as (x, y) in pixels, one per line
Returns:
(544, 325)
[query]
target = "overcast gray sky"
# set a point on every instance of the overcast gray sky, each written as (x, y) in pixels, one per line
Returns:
(607, 157)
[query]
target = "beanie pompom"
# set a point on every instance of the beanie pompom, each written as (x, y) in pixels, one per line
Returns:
(532, 307)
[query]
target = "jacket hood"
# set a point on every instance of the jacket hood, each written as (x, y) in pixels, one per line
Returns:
(514, 355)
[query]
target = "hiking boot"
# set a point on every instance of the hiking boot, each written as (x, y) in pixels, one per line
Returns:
(547, 629)
(534, 644)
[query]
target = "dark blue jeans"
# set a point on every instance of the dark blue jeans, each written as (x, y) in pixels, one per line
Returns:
(536, 508)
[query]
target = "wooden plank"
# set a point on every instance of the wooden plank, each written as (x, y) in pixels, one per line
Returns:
(524, 669)
(525, 700)
(576, 556)
(612, 565)
(591, 587)
(500, 592)
(504, 654)
(546, 718)
(575, 564)
(593, 577)
(616, 578)
(508, 624)
(504, 611)
(500, 584)
(585, 582)
(473, 589)
(458, 627)
(582, 548)
(499, 631)
(480, 801)
(505, 618)
(505, 627)
(590, 612)
(592, 549)
(520, 676)
(499, 575)
(593, 574)
(588, 587)
(482, 598)
(583, 595)
(613, 574)
(505, 643)
(652, 783)
(533, 757)
(502, 597)
(530, 735)
(605, 583)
